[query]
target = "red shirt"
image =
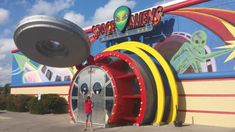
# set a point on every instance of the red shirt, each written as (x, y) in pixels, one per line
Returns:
(88, 107)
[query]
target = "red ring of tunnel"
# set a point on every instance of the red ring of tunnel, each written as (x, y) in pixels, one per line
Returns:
(123, 105)
(125, 98)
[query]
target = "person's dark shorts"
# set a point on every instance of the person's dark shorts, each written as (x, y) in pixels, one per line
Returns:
(88, 116)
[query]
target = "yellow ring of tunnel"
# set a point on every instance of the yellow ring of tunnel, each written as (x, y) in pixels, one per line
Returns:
(156, 75)
(168, 72)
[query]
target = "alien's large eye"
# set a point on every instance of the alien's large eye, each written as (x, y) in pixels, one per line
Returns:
(117, 19)
(203, 41)
(124, 17)
(196, 41)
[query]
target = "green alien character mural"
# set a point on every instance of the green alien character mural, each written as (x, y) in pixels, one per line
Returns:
(193, 54)
(121, 17)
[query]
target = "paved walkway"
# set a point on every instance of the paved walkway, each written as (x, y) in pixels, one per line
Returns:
(25, 122)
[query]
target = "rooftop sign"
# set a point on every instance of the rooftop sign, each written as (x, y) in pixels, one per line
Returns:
(124, 20)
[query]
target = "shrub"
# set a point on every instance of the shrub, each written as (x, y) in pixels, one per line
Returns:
(10, 106)
(49, 103)
(2, 102)
(60, 106)
(18, 103)
(21, 103)
(36, 107)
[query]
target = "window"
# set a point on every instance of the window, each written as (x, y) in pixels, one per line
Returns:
(49, 75)
(109, 106)
(67, 78)
(75, 90)
(44, 68)
(84, 89)
(74, 104)
(109, 90)
(58, 78)
(97, 88)
(106, 78)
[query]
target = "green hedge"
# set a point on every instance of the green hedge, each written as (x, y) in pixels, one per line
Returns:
(21, 103)
(60, 106)
(3, 102)
(9, 102)
(17, 103)
(49, 103)
(36, 107)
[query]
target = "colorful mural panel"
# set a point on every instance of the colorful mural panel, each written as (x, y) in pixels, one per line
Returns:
(193, 40)
(26, 71)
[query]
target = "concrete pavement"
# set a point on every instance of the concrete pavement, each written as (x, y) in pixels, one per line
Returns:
(25, 122)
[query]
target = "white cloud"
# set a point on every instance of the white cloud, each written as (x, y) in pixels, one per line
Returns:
(6, 45)
(2, 56)
(77, 18)
(50, 8)
(106, 12)
(4, 15)
(101, 14)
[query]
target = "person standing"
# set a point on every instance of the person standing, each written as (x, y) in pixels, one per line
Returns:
(88, 112)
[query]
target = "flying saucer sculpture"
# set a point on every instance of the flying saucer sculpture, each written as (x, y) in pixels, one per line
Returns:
(52, 41)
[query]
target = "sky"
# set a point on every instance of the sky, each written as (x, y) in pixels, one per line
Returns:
(82, 12)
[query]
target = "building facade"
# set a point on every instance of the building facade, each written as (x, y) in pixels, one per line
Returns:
(175, 61)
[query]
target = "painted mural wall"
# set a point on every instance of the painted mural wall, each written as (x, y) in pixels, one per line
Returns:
(194, 40)
(197, 39)
(26, 72)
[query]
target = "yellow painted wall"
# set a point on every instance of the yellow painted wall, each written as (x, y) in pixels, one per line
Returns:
(207, 86)
(43, 90)
(208, 109)
(202, 87)
(207, 119)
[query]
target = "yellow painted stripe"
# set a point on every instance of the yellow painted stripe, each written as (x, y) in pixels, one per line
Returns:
(207, 87)
(42, 90)
(168, 72)
(156, 75)
(221, 120)
(208, 103)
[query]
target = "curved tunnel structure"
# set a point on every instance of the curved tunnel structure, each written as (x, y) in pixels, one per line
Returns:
(139, 93)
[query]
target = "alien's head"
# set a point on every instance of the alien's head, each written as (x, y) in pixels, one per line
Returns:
(121, 17)
(199, 39)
